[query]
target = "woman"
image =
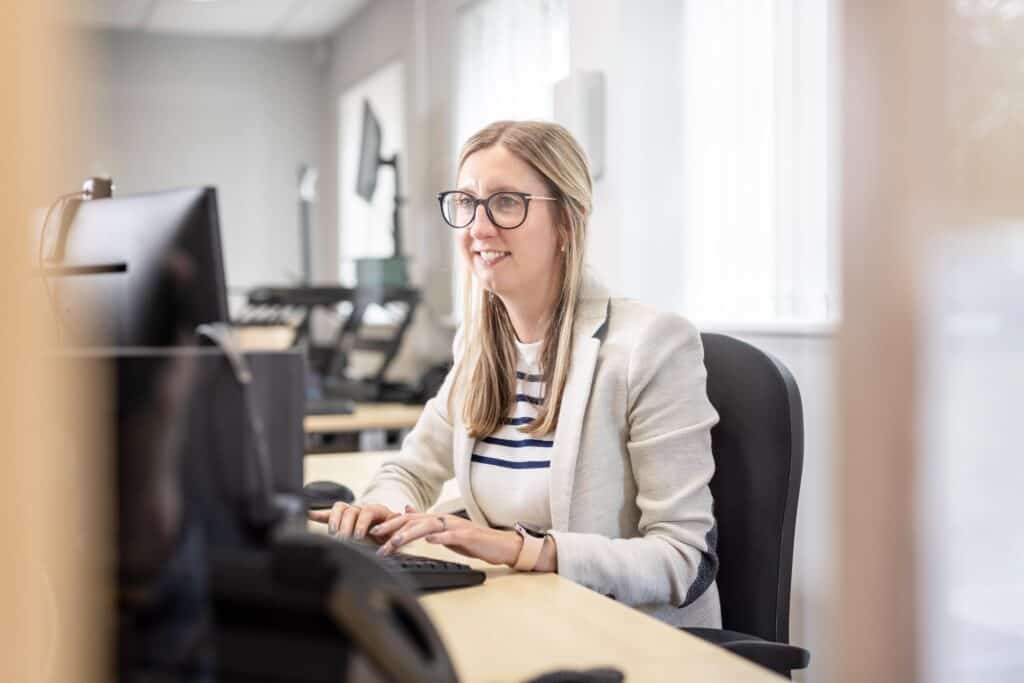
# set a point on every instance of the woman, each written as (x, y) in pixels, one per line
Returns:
(577, 425)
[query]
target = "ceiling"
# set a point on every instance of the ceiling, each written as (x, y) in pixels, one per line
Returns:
(276, 19)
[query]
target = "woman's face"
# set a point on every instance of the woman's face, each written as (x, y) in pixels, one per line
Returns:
(520, 264)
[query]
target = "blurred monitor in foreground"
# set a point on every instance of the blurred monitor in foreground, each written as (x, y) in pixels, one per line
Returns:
(171, 245)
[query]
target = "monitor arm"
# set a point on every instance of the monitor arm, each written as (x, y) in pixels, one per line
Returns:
(396, 219)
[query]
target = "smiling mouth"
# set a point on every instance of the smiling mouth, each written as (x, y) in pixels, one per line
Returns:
(490, 257)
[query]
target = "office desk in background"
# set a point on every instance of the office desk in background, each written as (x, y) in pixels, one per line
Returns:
(337, 433)
(517, 626)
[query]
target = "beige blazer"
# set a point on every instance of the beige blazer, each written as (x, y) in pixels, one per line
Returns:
(631, 510)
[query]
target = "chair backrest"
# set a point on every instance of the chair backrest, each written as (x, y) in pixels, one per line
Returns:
(758, 448)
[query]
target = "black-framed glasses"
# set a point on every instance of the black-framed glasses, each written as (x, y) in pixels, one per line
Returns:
(507, 210)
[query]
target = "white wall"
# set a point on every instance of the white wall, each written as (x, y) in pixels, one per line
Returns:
(234, 113)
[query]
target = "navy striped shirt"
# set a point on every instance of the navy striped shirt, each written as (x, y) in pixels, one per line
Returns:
(509, 470)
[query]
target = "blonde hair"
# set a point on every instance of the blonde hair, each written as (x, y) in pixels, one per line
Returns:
(486, 370)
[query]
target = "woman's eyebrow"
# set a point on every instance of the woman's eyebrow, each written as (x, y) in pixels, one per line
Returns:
(497, 188)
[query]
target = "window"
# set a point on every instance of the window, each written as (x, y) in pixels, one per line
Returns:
(759, 162)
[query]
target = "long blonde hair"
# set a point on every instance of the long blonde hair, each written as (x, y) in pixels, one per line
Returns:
(486, 363)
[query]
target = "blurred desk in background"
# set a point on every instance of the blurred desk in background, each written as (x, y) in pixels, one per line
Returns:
(341, 433)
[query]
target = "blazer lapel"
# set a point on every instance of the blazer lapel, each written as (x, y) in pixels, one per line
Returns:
(462, 451)
(591, 316)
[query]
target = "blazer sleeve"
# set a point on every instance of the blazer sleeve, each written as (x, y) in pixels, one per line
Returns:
(670, 418)
(416, 474)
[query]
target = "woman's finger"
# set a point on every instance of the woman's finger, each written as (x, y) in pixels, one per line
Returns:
(412, 532)
(334, 517)
(368, 516)
(319, 515)
(441, 538)
(451, 535)
(398, 527)
(388, 527)
(348, 521)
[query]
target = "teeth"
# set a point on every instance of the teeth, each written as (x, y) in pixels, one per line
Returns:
(492, 255)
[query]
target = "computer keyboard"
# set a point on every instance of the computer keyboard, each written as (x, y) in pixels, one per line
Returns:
(426, 573)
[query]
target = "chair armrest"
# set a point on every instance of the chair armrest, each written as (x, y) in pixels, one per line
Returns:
(779, 657)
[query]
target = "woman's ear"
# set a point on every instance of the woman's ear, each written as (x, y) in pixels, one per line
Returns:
(564, 237)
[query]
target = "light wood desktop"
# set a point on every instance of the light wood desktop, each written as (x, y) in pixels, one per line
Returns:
(517, 626)
(366, 416)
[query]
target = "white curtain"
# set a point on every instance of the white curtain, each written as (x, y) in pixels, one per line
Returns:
(758, 160)
(509, 56)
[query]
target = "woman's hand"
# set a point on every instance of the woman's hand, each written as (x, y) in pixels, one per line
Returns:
(351, 521)
(458, 534)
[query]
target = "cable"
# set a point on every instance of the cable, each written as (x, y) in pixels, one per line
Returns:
(46, 221)
(39, 256)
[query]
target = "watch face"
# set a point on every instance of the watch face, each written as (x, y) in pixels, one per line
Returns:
(534, 531)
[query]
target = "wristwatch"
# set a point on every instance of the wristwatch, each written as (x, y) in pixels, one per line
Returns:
(533, 542)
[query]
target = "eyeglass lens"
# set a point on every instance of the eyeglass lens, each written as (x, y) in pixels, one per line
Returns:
(507, 210)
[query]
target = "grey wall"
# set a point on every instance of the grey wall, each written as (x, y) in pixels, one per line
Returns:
(237, 114)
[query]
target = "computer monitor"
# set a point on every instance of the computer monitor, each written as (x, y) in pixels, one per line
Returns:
(369, 154)
(174, 277)
(380, 271)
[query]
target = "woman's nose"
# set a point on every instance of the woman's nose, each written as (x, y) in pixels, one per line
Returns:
(481, 225)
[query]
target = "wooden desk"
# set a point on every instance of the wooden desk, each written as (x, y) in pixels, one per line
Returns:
(334, 433)
(366, 416)
(517, 626)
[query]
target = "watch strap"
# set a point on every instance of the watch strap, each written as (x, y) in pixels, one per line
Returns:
(529, 553)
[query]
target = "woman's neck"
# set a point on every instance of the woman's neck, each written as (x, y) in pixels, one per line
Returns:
(530, 318)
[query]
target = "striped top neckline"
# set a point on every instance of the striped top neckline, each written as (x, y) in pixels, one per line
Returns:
(509, 470)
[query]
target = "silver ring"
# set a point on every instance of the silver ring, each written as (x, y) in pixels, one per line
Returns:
(444, 523)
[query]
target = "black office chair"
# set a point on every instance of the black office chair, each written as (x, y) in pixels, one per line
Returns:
(758, 448)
